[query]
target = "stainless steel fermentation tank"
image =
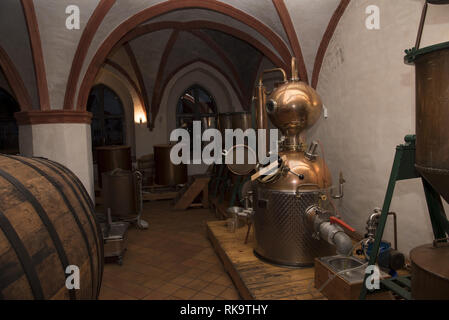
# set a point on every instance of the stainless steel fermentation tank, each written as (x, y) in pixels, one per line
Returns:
(290, 216)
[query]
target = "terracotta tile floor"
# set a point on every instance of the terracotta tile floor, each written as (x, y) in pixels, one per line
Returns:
(172, 259)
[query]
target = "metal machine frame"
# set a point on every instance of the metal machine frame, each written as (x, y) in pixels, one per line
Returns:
(404, 169)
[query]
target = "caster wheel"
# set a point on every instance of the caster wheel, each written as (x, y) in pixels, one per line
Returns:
(142, 224)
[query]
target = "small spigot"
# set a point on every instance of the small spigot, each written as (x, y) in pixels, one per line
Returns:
(310, 154)
(248, 200)
(341, 182)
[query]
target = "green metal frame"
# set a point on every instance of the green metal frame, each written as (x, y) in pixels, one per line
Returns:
(404, 169)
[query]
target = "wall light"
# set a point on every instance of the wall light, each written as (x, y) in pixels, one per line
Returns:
(140, 117)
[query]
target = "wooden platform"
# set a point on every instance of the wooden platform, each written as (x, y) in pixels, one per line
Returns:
(254, 279)
(158, 192)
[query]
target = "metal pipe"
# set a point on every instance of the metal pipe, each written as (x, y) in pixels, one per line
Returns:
(261, 112)
(372, 223)
(340, 194)
(395, 222)
(320, 221)
(284, 74)
(421, 25)
(295, 76)
(261, 97)
(336, 236)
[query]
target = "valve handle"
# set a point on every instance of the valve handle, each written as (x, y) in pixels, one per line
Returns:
(341, 223)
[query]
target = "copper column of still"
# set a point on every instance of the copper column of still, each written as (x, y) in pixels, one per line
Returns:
(290, 203)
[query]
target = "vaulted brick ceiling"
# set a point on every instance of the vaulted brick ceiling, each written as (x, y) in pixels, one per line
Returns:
(281, 28)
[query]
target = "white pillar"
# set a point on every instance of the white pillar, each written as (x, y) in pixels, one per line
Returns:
(69, 144)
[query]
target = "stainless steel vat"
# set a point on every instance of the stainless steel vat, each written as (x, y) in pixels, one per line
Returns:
(120, 193)
(283, 235)
(112, 157)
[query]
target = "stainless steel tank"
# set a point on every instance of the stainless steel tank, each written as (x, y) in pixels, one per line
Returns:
(432, 115)
(112, 157)
(120, 193)
(283, 233)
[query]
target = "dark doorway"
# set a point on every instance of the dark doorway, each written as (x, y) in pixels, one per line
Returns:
(9, 131)
(108, 118)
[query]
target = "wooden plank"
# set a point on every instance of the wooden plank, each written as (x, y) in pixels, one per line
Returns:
(153, 196)
(254, 278)
(236, 278)
(187, 198)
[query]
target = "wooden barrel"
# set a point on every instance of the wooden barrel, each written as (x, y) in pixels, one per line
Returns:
(47, 224)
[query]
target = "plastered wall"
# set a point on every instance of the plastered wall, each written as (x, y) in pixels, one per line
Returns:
(56, 142)
(370, 95)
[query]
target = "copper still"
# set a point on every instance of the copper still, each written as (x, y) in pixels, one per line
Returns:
(167, 173)
(291, 223)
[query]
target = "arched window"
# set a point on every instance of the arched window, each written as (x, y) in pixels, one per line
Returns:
(9, 131)
(196, 104)
(108, 119)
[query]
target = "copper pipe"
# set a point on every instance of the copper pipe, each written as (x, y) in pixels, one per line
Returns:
(395, 223)
(284, 74)
(261, 96)
(261, 113)
(295, 76)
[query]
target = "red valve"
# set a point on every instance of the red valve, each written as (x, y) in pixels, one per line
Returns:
(341, 223)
